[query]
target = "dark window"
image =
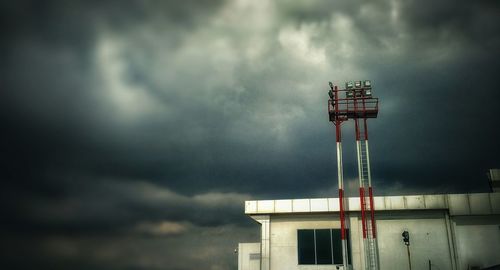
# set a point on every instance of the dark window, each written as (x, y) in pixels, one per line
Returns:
(306, 247)
(337, 247)
(348, 237)
(322, 246)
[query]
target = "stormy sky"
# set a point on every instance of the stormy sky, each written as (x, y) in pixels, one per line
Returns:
(133, 131)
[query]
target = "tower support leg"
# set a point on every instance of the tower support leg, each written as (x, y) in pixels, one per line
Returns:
(340, 175)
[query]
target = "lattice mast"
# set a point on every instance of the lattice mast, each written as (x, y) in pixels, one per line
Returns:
(359, 105)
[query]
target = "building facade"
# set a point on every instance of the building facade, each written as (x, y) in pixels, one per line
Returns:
(453, 231)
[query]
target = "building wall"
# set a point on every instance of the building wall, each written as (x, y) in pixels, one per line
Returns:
(477, 240)
(428, 236)
(452, 231)
(428, 240)
(249, 256)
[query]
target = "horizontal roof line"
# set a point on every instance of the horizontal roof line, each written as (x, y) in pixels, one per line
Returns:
(457, 204)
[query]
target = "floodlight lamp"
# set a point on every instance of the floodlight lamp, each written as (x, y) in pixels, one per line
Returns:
(331, 84)
(357, 84)
(368, 83)
(349, 85)
(368, 92)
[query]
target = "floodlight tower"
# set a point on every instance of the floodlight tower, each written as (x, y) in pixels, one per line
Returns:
(359, 105)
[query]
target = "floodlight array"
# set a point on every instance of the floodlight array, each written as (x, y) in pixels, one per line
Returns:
(358, 89)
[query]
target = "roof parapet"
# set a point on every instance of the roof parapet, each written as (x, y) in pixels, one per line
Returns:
(457, 204)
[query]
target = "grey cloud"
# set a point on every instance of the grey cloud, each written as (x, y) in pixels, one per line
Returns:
(212, 247)
(111, 206)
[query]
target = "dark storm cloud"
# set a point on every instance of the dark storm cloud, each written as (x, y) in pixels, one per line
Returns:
(131, 127)
(450, 103)
(87, 208)
(432, 65)
(48, 65)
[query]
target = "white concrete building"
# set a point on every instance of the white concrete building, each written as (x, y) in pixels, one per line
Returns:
(454, 231)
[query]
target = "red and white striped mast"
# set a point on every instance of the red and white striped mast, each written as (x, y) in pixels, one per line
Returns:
(340, 171)
(358, 103)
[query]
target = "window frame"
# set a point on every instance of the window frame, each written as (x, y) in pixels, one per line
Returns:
(334, 259)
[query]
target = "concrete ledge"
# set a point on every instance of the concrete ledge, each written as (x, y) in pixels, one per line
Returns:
(457, 204)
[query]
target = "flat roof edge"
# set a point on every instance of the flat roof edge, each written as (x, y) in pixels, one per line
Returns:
(457, 204)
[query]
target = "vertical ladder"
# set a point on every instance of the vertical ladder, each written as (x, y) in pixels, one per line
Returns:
(371, 240)
(367, 211)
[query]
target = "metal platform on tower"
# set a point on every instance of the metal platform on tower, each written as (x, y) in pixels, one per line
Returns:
(357, 102)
